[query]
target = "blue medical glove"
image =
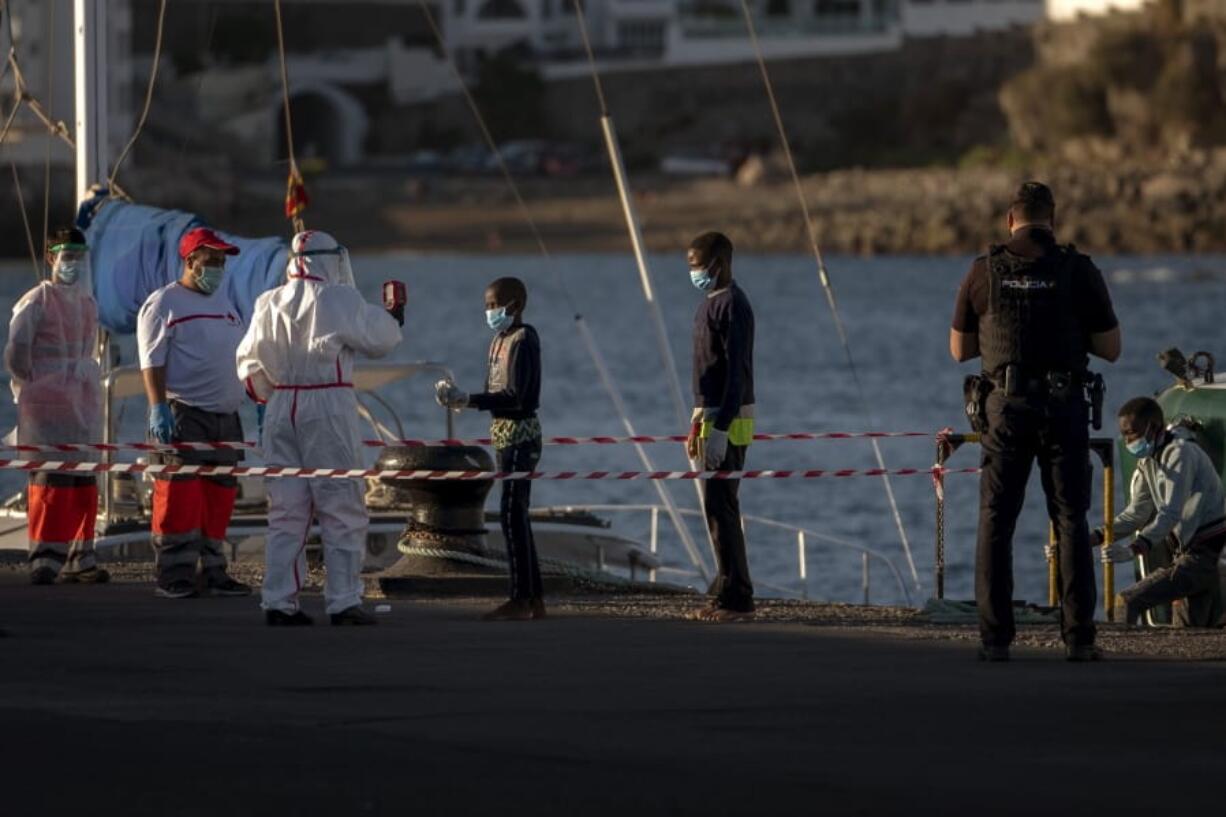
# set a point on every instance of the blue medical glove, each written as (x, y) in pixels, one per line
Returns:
(260, 408)
(161, 423)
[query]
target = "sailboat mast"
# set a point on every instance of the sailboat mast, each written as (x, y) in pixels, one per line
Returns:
(90, 75)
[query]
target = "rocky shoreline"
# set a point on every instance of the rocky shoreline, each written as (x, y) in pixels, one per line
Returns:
(1104, 209)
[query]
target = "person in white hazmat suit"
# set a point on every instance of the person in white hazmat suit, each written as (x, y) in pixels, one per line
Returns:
(297, 356)
(50, 354)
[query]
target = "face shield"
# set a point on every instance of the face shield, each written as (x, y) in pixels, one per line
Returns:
(70, 266)
(316, 256)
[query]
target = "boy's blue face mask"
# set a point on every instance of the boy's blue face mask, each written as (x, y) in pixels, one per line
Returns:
(498, 319)
(702, 278)
(1141, 447)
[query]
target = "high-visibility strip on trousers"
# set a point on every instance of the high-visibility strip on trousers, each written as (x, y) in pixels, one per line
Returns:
(190, 517)
(191, 514)
(62, 509)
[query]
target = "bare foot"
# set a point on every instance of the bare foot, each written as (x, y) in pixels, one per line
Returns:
(513, 610)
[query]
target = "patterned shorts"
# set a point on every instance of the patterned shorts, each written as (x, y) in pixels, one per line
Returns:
(506, 433)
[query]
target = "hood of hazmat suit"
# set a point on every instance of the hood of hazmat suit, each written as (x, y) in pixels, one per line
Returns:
(51, 355)
(298, 356)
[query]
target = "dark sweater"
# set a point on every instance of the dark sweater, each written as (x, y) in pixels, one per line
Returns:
(513, 385)
(723, 354)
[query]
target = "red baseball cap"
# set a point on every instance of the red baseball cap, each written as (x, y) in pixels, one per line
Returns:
(199, 237)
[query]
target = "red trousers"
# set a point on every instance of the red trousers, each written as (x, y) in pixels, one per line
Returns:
(190, 517)
(62, 509)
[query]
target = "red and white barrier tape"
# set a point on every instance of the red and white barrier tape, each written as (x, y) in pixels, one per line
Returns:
(374, 473)
(479, 441)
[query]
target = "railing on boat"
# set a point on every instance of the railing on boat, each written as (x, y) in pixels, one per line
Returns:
(1104, 447)
(126, 381)
(803, 536)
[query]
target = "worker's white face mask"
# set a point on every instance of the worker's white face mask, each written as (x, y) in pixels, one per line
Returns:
(67, 272)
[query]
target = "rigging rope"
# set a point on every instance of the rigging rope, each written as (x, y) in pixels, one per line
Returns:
(51, 38)
(144, 114)
(827, 287)
(294, 175)
(25, 219)
(581, 326)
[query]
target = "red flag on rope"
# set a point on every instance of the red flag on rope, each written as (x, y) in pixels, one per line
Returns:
(296, 197)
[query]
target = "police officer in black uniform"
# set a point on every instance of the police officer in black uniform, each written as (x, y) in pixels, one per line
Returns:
(1034, 311)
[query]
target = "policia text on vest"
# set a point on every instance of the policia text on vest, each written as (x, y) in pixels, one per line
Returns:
(1034, 311)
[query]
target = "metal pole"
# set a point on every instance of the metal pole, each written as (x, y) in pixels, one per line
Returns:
(90, 80)
(804, 567)
(864, 576)
(655, 539)
(649, 290)
(939, 560)
(1053, 568)
(640, 257)
(1108, 538)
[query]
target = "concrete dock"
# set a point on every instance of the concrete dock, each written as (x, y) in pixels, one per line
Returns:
(115, 702)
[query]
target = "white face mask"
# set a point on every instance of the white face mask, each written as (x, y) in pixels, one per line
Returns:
(67, 272)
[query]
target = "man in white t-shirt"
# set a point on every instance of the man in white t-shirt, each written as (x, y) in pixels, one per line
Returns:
(187, 335)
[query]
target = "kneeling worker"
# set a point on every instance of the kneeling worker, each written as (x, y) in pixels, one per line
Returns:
(298, 355)
(186, 334)
(1176, 496)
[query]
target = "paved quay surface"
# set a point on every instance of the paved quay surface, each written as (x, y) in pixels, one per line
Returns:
(114, 702)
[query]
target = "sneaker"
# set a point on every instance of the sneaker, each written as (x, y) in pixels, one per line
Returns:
(993, 653)
(513, 610)
(280, 618)
(719, 614)
(223, 585)
(42, 575)
(90, 575)
(178, 589)
(538, 608)
(1082, 652)
(353, 616)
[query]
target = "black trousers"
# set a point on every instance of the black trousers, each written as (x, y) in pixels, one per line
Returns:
(733, 588)
(1056, 433)
(1191, 580)
(522, 562)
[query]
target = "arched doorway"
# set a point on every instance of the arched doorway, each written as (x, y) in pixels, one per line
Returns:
(329, 125)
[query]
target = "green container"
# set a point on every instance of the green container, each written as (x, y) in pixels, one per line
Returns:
(1204, 403)
(1207, 405)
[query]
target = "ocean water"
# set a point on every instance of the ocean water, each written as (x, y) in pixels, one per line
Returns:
(897, 313)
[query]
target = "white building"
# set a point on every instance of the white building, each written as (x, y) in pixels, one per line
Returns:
(653, 33)
(1071, 9)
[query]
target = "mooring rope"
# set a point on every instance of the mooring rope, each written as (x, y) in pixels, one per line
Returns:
(51, 38)
(827, 287)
